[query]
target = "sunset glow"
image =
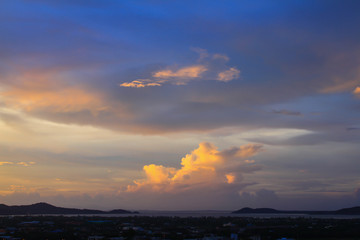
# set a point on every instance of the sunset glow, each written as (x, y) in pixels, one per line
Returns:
(178, 105)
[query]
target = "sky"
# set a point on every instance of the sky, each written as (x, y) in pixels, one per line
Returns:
(180, 105)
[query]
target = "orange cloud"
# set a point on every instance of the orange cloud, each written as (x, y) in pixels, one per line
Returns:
(340, 86)
(186, 72)
(140, 83)
(32, 91)
(357, 91)
(207, 67)
(5, 163)
(64, 100)
(245, 151)
(230, 178)
(204, 166)
(249, 161)
(228, 75)
(26, 164)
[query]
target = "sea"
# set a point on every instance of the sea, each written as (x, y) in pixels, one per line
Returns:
(211, 213)
(230, 214)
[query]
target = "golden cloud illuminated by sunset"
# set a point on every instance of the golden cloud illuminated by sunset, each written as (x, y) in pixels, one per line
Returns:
(140, 83)
(5, 163)
(340, 85)
(357, 91)
(228, 75)
(186, 72)
(214, 66)
(32, 91)
(204, 166)
(230, 178)
(64, 100)
(26, 164)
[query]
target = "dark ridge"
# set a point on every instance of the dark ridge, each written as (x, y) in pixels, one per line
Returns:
(45, 208)
(344, 211)
(257, 210)
(349, 211)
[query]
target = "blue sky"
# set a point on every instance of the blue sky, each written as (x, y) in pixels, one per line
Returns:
(187, 104)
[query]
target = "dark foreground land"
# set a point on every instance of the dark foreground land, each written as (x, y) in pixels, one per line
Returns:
(343, 211)
(140, 227)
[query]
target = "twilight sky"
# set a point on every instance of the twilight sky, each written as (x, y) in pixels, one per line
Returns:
(181, 105)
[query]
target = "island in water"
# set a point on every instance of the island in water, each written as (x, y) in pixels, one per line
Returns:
(343, 211)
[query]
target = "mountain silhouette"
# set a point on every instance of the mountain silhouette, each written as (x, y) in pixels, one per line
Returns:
(45, 208)
(343, 211)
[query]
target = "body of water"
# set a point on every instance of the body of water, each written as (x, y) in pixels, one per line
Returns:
(185, 214)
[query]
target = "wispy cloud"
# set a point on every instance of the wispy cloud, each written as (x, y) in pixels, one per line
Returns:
(228, 75)
(356, 91)
(287, 112)
(221, 56)
(140, 83)
(26, 164)
(207, 67)
(340, 85)
(45, 90)
(185, 72)
(6, 163)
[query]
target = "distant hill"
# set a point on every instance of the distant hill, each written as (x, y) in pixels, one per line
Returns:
(45, 208)
(349, 211)
(344, 211)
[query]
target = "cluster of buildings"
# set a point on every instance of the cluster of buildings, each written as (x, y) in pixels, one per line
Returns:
(162, 228)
